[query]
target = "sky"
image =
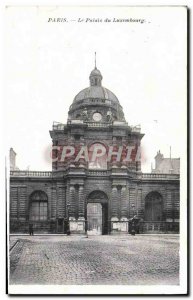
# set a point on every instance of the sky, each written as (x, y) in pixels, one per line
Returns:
(48, 63)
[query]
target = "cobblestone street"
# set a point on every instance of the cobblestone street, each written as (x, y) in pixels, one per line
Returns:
(131, 260)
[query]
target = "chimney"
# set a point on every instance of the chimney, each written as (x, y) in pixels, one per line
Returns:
(158, 159)
(12, 158)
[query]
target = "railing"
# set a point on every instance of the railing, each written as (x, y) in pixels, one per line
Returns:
(149, 176)
(58, 126)
(158, 176)
(120, 171)
(99, 173)
(158, 226)
(136, 128)
(19, 173)
(97, 124)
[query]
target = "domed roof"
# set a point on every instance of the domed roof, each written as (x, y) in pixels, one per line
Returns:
(96, 98)
(96, 92)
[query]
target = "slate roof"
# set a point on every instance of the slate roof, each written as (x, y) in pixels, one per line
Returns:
(168, 165)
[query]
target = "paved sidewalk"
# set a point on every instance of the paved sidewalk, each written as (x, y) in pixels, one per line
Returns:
(140, 259)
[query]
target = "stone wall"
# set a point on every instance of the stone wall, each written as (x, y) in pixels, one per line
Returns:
(68, 197)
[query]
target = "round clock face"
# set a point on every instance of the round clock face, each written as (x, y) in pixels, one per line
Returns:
(97, 117)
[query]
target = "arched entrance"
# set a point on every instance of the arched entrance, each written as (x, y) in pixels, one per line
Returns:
(97, 213)
(153, 207)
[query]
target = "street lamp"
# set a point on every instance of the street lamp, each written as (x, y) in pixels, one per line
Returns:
(133, 222)
(68, 225)
(86, 228)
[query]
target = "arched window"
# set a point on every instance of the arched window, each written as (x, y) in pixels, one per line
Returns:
(97, 156)
(38, 206)
(154, 207)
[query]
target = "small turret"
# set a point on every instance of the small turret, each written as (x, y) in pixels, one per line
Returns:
(95, 76)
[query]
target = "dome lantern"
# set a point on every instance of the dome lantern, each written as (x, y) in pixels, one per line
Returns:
(95, 76)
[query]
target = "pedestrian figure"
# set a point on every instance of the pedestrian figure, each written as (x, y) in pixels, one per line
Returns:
(86, 228)
(132, 228)
(31, 231)
(68, 228)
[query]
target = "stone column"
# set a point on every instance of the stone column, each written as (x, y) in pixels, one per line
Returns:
(13, 202)
(114, 210)
(61, 201)
(114, 202)
(124, 220)
(132, 201)
(72, 203)
(169, 206)
(81, 205)
(177, 206)
(72, 209)
(81, 208)
(123, 202)
(22, 208)
(140, 205)
(53, 202)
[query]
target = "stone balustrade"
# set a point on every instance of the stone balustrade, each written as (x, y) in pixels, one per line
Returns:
(98, 124)
(25, 173)
(159, 176)
(142, 176)
(99, 172)
(58, 126)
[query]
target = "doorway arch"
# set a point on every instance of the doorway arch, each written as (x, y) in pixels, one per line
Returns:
(97, 213)
(154, 207)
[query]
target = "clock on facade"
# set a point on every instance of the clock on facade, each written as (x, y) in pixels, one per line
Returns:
(97, 117)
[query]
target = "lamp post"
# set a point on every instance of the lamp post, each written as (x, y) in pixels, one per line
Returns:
(68, 225)
(132, 223)
(86, 228)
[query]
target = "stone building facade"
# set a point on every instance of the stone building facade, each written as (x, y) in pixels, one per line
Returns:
(93, 186)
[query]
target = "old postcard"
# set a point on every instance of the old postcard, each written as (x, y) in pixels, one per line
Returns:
(96, 120)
